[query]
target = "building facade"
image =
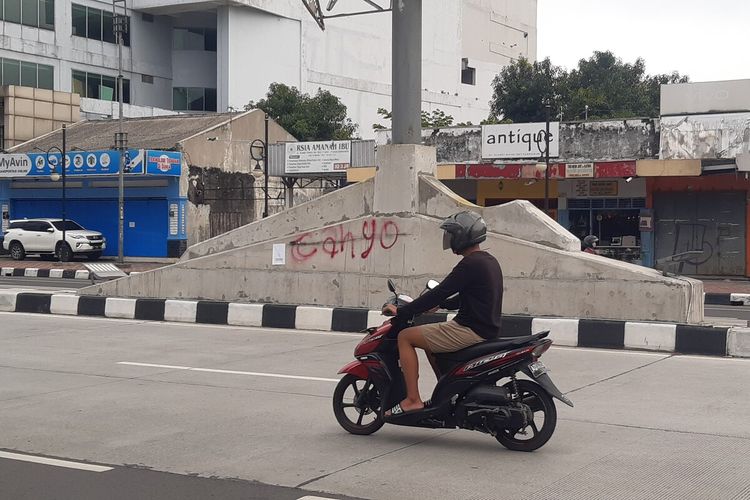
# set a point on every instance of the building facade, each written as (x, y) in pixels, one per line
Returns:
(194, 55)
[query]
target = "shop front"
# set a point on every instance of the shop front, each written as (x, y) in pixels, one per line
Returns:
(702, 222)
(154, 213)
(497, 192)
(610, 209)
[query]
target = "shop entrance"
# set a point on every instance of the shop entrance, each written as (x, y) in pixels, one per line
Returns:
(712, 224)
(613, 220)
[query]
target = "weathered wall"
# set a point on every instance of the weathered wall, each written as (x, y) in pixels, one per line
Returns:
(348, 203)
(593, 140)
(229, 196)
(347, 264)
(705, 136)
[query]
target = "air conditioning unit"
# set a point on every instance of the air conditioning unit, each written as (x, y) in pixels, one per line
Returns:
(743, 162)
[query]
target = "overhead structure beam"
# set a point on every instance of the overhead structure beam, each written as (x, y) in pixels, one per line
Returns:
(313, 7)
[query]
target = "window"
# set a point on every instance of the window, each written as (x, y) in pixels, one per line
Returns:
(69, 225)
(27, 74)
(35, 13)
(468, 74)
(203, 39)
(96, 24)
(147, 79)
(11, 72)
(193, 99)
(94, 86)
(79, 20)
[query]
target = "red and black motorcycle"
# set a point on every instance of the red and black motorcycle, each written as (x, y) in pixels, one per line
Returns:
(470, 393)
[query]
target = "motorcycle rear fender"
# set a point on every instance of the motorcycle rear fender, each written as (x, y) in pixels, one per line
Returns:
(356, 368)
(548, 386)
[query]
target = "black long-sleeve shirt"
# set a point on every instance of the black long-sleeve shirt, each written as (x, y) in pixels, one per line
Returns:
(478, 280)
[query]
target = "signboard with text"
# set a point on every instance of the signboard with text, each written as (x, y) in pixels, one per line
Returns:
(90, 163)
(520, 140)
(317, 157)
(579, 170)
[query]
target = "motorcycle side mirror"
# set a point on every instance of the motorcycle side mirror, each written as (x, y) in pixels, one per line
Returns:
(432, 284)
(391, 286)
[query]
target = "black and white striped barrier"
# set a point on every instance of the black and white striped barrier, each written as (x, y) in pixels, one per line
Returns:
(663, 337)
(31, 272)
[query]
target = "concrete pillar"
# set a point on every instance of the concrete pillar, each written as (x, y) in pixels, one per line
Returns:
(397, 179)
(407, 72)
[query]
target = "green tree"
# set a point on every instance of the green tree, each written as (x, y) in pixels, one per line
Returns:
(321, 117)
(602, 86)
(521, 90)
(437, 119)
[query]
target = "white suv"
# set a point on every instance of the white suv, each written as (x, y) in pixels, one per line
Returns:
(45, 237)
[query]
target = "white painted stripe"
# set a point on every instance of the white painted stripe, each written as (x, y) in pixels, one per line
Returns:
(64, 304)
(650, 336)
(561, 331)
(314, 318)
(308, 497)
(119, 308)
(7, 271)
(31, 272)
(8, 300)
(245, 314)
(56, 273)
(82, 274)
(375, 318)
(54, 462)
(181, 311)
(228, 372)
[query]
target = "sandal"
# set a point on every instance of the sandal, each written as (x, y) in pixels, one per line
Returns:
(398, 411)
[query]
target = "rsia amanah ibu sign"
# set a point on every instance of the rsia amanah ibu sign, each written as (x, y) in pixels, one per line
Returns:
(519, 140)
(317, 157)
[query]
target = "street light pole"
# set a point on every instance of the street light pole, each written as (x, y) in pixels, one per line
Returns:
(120, 25)
(546, 160)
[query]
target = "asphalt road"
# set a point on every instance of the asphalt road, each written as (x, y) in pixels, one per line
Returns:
(42, 284)
(237, 404)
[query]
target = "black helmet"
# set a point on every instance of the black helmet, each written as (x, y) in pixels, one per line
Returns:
(463, 230)
(590, 241)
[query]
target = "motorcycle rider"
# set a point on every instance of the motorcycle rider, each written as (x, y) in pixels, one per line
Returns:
(589, 244)
(478, 281)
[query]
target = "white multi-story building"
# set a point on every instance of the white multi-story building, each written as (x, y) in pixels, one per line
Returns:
(218, 55)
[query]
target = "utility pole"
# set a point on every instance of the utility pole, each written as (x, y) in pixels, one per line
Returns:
(407, 72)
(120, 25)
(546, 159)
(64, 191)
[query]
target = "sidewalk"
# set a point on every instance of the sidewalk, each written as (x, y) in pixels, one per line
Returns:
(726, 286)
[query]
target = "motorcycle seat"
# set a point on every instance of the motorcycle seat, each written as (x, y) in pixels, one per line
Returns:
(490, 346)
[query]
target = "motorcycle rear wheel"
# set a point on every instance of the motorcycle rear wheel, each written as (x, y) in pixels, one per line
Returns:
(364, 399)
(533, 395)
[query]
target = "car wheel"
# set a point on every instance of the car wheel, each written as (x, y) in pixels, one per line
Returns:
(17, 251)
(64, 252)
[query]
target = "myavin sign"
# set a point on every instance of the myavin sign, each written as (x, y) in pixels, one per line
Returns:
(519, 140)
(317, 157)
(91, 163)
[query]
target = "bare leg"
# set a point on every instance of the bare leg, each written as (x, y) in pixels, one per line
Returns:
(408, 340)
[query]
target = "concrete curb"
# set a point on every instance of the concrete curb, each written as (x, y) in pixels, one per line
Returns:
(661, 337)
(32, 272)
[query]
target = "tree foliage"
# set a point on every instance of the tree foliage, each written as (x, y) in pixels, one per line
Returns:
(609, 87)
(436, 119)
(321, 117)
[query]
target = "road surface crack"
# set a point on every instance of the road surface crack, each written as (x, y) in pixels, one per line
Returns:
(619, 374)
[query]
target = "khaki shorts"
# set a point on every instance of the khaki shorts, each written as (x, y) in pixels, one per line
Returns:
(449, 336)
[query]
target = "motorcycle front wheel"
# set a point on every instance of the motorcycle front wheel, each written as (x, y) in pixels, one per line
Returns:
(540, 428)
(356, 404)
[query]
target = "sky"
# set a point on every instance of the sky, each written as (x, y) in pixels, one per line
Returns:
(704, 39)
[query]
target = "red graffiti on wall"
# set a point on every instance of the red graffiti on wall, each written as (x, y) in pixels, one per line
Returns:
(339, 240)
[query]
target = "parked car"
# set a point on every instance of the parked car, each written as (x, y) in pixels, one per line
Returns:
(45, 237)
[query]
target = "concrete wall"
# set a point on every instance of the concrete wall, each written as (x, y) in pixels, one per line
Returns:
(705, 136)
(347, 264)
(594, 140)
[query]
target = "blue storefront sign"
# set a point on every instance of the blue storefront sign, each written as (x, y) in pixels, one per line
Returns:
(155, 214)
(137, 162)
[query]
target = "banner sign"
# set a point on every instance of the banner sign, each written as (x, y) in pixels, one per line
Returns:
(578, 170)
(84, 163)
(520, 140)
(317, 157)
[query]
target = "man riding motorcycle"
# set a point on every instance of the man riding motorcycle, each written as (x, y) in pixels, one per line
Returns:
(478, 281)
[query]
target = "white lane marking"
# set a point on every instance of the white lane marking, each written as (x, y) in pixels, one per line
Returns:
(228, 372)
(315, 498)
(54, 462)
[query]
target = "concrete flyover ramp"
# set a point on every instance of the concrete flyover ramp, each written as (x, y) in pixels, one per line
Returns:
(339, 250)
